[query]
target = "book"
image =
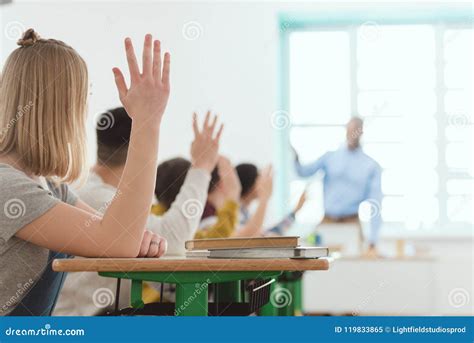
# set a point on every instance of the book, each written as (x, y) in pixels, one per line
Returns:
(243, 242)
(256, 253)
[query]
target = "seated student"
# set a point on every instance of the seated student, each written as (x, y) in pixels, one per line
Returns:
(43, 101)
(254, 186)
(221, 210)
(258, 186)
(220, 215)
(176, 226)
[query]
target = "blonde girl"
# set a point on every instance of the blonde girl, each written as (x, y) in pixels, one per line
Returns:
(43, 98)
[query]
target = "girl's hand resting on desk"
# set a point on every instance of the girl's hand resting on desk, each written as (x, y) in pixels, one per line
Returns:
(205, 147)
(149, 90)
(152, 245)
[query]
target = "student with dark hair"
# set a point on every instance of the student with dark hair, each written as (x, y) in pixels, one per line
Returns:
(170, 177)
(248, 175)
(219, 213)
(113, 135)
(177, 225)
(257, 186)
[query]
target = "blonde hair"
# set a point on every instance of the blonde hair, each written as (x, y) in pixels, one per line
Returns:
(43, 99)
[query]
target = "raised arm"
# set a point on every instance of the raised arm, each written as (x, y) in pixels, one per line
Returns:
(289, 220)
(181, 221)
(309, 169)
(226, 202)
(120, 231)
(254, 227)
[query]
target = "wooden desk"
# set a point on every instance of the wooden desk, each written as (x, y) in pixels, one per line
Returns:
(191, 276)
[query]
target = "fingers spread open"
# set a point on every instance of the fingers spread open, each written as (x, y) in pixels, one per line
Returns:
(157, 60)
(166, 70)
(213, 125)
(219, 134)
(120, 82)
(206, 120)
(268, 171)
(195, 125)
(132, 60)
(147, 56)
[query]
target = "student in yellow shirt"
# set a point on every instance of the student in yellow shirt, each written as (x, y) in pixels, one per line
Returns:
(220, 217)
(257, 185)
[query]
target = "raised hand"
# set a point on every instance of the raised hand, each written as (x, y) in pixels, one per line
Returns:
(146, 98)
(265, 184)
(229, 183)
(205, 147)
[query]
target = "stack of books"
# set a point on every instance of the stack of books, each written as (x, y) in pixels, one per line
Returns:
(251, 248)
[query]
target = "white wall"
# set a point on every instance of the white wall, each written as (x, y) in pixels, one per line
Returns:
(230, 68)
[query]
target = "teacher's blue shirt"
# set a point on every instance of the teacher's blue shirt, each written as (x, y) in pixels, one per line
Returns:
(350, 177)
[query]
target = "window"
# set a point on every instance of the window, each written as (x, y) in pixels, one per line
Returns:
(412, 84)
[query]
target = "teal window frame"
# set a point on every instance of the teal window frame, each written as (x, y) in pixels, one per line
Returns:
(457, 14)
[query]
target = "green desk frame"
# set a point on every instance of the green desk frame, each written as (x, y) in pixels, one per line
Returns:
(192, 287)
(292, 306)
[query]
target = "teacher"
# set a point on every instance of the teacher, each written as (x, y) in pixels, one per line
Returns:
(350, 178)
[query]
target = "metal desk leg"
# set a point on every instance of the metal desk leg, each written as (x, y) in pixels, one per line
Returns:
(229, 291)
(191, 299)
(298, 297)
(117, 295)
(136, 294)
(284, 298)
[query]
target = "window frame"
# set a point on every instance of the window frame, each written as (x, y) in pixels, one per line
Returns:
(441, 18)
